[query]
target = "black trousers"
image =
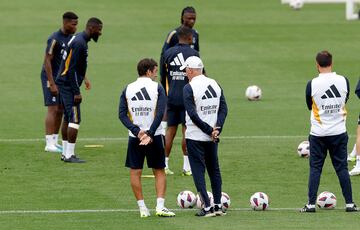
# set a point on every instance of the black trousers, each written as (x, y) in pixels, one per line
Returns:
(203, 154)
(337, 147)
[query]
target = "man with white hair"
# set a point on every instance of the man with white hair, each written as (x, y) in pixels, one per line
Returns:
(206, 111)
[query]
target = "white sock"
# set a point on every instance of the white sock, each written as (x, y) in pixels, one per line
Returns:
(167, 162)
(49, 140)
(141, 204)
(186, 165)
(55, 138)
(350, 205)
(160, 202)
(357, 162)
(207, 208)
(310, 205)
(353, 152)
(64, 146)
(70, 150)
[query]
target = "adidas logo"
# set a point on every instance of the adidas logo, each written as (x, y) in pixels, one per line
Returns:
(209, 93)
(141, 95)
(331, 93)
(178, 60)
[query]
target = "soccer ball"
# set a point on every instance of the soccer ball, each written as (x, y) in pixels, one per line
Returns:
(253, 93)
(326, 200)
(304, 149)
(259, 201)
(186, 199)
(225, 200)
(200, 204)
(296, 4)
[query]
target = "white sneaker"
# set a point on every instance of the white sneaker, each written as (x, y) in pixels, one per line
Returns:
(355, 171)
(164, 212)
(168, 171)
(52, 148)
(186, 173)
(144, 212)
(351, 158)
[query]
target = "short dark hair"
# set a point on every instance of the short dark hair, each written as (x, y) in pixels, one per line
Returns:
(184, 32)
(93, 22)
(324, 58)
(188, 9)
(146, 64)
(69, 16)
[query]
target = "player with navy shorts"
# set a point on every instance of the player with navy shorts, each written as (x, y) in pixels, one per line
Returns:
(56, 44)
(173, 80)
(70, 77)
(326, 97)
(142, 106)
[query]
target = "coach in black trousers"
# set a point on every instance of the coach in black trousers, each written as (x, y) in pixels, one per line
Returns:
(206, 111)
(326, 96)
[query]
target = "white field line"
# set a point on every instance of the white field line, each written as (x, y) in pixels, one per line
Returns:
(4, 212)
(110, 139)
(177, 138)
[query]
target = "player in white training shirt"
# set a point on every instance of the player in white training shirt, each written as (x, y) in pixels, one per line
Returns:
(326, 96)
(142, 106)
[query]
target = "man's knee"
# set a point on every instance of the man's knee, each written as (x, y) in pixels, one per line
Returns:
(52, 110)
(59, 110)
(159, 172)
(171, 131)
(135, 173)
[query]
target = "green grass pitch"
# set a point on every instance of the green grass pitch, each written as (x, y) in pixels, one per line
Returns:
(242, 43)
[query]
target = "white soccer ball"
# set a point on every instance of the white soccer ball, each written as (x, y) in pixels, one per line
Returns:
(259, 201)
(186, 199)
(296, 4)
(225, 200)
(199, 202)
(326, 200)
(253, 93)
(304, 149)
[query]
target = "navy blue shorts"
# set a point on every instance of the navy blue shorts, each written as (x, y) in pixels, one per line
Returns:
(175, 115)
(154, 153)
(49, 99)
(71, 111)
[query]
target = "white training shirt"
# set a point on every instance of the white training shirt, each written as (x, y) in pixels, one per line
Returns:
(141, 97)
(207, 106)
(328, 115)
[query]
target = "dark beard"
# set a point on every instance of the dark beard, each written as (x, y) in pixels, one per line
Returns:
(95, 37)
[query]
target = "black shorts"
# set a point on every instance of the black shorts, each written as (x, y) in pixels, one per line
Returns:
(49, 99)
(154, 153)
(175, 115)
(71, 111)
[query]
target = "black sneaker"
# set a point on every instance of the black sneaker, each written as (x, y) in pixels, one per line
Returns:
(73, 159)
(352, 209)
(219, 211)
(62, 157)
(307, 209)
(203, 213)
